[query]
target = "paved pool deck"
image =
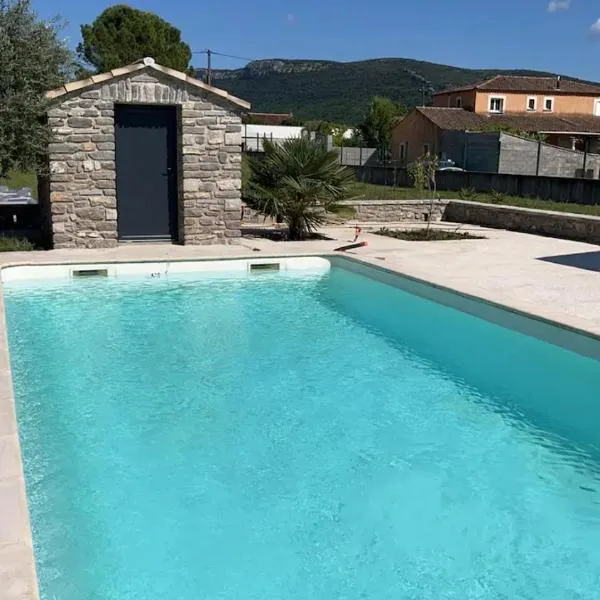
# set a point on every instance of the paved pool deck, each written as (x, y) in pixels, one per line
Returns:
(557, 280)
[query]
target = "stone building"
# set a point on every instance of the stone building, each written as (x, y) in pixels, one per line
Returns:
(143, 153)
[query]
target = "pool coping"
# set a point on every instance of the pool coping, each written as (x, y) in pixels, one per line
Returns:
(18, 577)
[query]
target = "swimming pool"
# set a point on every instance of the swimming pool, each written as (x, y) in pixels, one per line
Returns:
(302, 434)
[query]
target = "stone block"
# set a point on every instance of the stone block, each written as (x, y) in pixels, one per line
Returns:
(57, 166)
(103, 137)
(233, 204)
(232, 139)
(80, 122)
(104, 174)
(105, 145)
(216, 136)
(229, 184)
(91, 94)
(105, 184)
(191, 185)
(102, 155)
(58, 148)
(111, 214)
(97, 213)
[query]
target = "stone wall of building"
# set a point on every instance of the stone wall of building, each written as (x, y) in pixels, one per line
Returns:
(82, 194)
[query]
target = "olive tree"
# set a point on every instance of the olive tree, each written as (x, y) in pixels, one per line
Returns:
(33, 60)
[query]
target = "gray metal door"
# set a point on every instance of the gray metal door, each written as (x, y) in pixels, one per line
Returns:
(146, 164)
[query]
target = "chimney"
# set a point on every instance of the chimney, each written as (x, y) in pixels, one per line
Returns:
(558, 82)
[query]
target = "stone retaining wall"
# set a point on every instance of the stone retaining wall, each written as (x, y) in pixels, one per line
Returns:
(569, 226)
(83, 198)
(373, 211)
(385, 211)
(541, 222)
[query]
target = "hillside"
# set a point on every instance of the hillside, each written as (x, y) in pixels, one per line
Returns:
(340, 92)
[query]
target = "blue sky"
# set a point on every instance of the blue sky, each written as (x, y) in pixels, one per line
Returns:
(554, 35)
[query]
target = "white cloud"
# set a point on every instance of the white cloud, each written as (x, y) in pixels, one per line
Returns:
(595, 28)
(556, 5)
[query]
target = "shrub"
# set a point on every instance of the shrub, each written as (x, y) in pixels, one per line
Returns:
(297, 182)
(467, 194)
(497, 197)
(8, 244)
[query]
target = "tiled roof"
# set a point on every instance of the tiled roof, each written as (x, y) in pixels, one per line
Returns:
(548, 123)
(144, 63)
(520, 83)
(458, 119)
(452, 119)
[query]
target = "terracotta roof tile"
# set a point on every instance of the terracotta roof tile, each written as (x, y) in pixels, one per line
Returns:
(521, 83)
(453, 119)
(458, 119)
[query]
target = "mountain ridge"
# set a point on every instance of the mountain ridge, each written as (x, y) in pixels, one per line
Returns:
(340, 91)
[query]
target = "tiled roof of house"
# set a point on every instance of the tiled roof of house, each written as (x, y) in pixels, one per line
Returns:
(521, 83)
(144, 63)
(458, 119)
(452, 119)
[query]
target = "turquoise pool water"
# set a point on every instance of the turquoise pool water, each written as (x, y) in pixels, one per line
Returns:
(299, 438)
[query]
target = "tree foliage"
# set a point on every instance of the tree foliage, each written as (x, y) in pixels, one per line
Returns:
(121, 35)
(33, 60)
(378, 122)
(297, 182)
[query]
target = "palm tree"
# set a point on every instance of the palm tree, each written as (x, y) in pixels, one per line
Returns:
(297, 182)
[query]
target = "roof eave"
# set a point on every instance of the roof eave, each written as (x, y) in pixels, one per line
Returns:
(82, 84)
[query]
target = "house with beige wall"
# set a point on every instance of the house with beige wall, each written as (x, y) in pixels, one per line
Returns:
(506, 94)
(564, 113)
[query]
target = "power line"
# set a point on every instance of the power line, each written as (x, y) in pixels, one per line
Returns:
(209, 53)
(215, 53)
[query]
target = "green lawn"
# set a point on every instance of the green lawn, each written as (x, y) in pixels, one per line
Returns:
(369, 191)
(17, 179)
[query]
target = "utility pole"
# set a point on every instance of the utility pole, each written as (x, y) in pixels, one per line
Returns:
(208, 67)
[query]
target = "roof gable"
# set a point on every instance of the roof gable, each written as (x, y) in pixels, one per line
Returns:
(147, 64)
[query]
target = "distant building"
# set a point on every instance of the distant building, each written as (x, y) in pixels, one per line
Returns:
(253, 136)
(565, 112)
(475, 142)
(507, 94)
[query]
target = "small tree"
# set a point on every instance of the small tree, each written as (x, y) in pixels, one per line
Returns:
(297, 182)
(33, 60)
(423, 174)
(122, 35)
(379, 121)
